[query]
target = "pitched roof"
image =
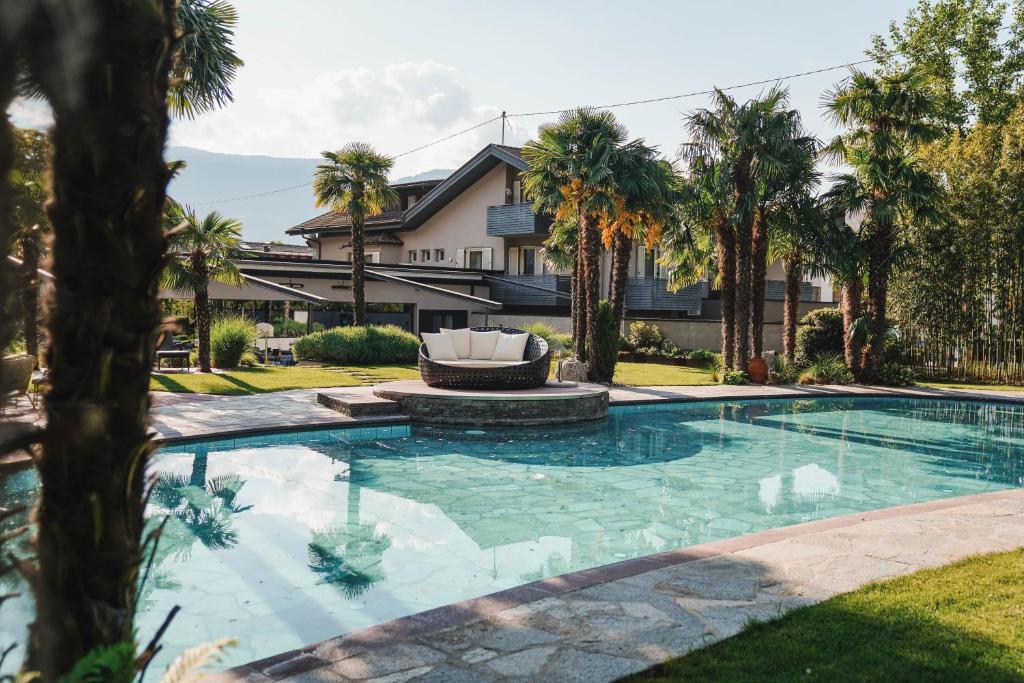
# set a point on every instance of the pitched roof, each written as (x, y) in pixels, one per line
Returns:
(439, 195)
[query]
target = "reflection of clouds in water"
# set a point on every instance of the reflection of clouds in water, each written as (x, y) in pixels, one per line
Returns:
(770, 491)
(812, 482)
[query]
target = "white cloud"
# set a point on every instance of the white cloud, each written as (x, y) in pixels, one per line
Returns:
(30, 114)
(395, 108)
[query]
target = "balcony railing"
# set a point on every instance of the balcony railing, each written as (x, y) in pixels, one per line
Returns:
(525, 290)
(775, 290)
(651, 294)
(507, 220)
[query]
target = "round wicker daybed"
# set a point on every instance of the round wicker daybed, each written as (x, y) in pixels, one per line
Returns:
(531, 373)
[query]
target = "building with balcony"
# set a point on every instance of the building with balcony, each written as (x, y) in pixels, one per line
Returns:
(465, 250)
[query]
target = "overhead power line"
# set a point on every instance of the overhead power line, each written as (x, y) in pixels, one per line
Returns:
(504, 116)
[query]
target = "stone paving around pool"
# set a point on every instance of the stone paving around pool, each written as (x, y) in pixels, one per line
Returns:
(604, 623)
(183, 416)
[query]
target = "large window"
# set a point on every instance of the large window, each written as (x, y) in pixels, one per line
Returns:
(439, 254)
(529, 261)
(425, 254)
(412, 256)
(475, 259)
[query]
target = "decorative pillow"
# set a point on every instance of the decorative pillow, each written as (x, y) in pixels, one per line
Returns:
(460, 340)
(481, 344)
(510, 346)
(439, 346)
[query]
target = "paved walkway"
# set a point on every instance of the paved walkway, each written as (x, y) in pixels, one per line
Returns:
(604, 623)
(183, 416)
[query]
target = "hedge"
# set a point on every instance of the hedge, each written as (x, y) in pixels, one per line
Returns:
(368, 345)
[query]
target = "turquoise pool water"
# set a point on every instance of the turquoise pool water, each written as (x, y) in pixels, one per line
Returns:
(284, 540)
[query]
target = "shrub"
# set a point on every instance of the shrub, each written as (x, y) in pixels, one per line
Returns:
(230, 337)
(370, 345)
(827, 369)
(819, 333)
(894, 374)
(781, 371)
(606, 355)
(671, 350)
(624, 345)
(705, 356)
(735, 377)
(286, 327)
(648, 351)
(249, 359)
(557, 341)
(645, 335)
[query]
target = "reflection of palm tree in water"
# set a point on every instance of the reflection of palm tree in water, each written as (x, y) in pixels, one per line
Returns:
(349, 558)
(202, 507)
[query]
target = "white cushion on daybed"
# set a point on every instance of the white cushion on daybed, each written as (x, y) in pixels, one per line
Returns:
(510, 346)
(460, 339)
(439, 346)
(481, 344)
(479, 363)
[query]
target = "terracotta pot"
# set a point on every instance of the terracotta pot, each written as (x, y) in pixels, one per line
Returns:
(757, 369)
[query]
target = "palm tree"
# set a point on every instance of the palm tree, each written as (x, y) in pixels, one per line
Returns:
(105, 68)
(205, 63)
(647, 189)
(747, 141)
(571, 174)
(355, 181)
(886, 116)
(201, 251)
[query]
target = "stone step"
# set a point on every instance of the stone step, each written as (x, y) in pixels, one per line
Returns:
(357, 404)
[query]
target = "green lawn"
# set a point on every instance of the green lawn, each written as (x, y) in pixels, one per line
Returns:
(651, 375)
(957, 385)
(261, 380)
(963, 622)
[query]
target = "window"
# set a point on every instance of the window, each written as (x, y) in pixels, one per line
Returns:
(529, 261)
(425, 254)
(476, 259)
(439, 254)
(412, 256)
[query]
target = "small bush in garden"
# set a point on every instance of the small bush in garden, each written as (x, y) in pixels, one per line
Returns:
(367, 345)
(286, 327)
(670, 349)
(894, 374)
(645, 335)
(230, 337)
(606, 355)
(705, 356)
(248, 360)
(648, 351)
(819, 333)
(557, 341)
(624, 345)
(827, 369)
(735, 377)
(781, 371)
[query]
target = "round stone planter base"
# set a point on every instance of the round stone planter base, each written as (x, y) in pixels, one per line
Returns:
(551, 404)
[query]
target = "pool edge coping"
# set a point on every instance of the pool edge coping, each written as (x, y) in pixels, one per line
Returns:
(331, 650)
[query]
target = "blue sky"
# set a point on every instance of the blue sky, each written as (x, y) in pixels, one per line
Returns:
(397, 74)
(320, 73)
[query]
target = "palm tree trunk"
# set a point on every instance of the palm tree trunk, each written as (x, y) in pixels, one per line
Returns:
(358, 260)
(727, 276)
(591, 283)
(622, 250)
(8, 273)
(879, 252)
(758, 272)
(30, 298)
(576, 305)
(852, 291)
(743, 253)
(202, 305)
(791, 308)
(109, 182)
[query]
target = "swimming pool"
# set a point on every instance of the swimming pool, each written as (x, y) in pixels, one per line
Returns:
(283, 540)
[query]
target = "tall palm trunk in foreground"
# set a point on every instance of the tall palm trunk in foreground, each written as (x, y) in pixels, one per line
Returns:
(879, 247)
(791, 306)
(358, 259)
(758, 272)
(8, 273)
(577, 304)
(109, 182)
(201, 305)
(30, 298)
